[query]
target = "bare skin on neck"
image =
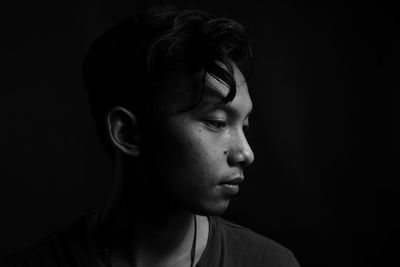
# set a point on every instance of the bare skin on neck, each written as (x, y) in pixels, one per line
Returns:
(141, 230)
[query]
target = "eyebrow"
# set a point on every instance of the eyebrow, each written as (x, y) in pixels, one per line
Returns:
(213, 93)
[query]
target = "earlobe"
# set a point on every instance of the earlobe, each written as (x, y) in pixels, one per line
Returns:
(123, 131)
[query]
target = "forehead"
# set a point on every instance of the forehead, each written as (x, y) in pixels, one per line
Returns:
(215, 86)
(216, 91)
(184, 90)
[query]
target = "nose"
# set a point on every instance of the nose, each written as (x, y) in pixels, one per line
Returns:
(240, 153)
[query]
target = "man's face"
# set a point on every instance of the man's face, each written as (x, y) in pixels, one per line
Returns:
(200, 155)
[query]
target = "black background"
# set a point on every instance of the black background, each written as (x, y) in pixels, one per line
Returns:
(324, 131)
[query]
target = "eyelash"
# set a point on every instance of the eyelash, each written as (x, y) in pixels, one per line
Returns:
(217, 123)
(222, 124)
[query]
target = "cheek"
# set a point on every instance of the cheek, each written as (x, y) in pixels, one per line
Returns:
(185, 151)
(203, 152)
(197, 150)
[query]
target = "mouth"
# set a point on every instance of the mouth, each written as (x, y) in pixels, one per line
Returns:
(233, 181)
(231, 186)
(230, 189)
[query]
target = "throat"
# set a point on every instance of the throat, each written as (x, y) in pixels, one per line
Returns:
(178, 243)
(166, 253)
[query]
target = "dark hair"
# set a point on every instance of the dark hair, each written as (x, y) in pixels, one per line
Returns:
(128, 64)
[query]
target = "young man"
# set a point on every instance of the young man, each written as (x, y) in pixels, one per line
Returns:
(171, 103)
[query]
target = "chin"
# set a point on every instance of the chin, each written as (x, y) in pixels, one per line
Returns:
(212, 209)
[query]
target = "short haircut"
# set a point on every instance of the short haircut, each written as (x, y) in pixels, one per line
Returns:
(128, 65)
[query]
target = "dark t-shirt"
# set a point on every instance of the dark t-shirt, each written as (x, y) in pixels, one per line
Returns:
(228, 245)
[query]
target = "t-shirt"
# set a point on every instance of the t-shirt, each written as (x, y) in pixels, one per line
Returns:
(228, 245)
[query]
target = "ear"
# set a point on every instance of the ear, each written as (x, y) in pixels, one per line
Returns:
(122, 126)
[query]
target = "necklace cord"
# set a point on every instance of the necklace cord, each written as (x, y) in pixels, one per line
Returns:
(194, 244)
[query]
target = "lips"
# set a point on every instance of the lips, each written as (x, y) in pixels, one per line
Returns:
(233, 181)
(231, 186)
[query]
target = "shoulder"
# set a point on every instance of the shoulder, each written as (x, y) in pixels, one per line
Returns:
(30, 256)
(59, 247)
(245, 236)
(246, 244)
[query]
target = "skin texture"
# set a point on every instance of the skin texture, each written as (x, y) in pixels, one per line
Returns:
(206, 146)
(171, 169)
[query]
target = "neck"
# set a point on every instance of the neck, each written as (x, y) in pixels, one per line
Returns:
(140, 223)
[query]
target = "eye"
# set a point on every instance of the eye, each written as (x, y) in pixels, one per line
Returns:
(216, 123)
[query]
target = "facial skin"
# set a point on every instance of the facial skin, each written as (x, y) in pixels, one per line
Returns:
(196, 151)
(171, 167)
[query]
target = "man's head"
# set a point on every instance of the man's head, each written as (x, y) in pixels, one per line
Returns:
(167, 90)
